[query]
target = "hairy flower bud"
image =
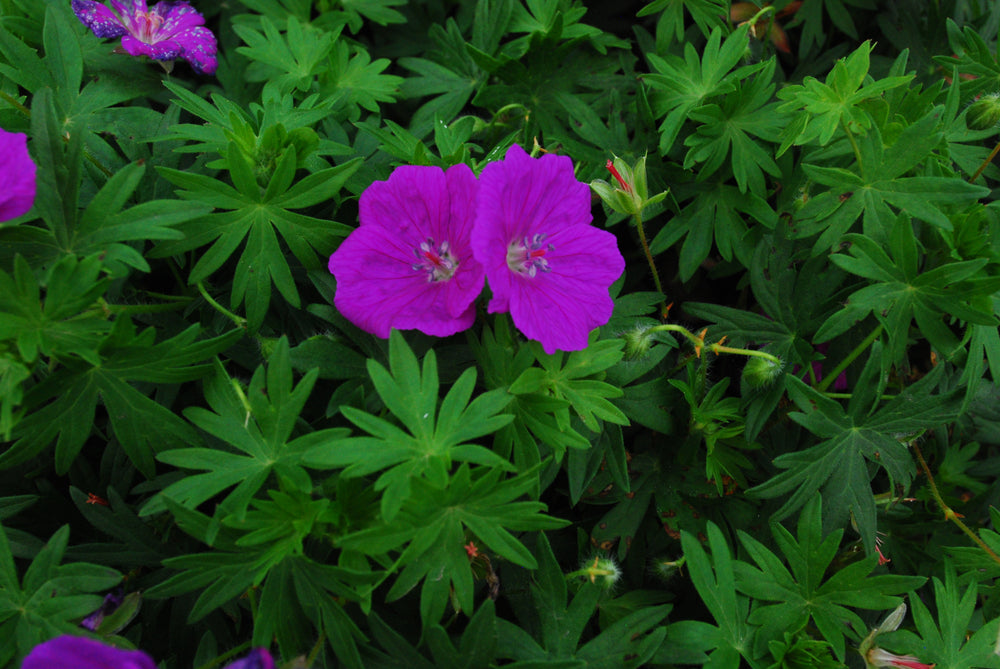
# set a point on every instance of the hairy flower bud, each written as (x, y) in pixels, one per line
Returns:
(984, 113)
(761, 372)
(638, 341)
(603, 572)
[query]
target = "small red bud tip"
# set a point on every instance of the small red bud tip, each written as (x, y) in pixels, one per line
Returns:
(95, 499)
(472, 550)
(618, 177)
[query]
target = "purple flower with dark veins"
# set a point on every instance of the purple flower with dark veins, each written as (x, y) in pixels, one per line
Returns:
(17, 175)
(168, 30)
(545, 263)
(409, 264)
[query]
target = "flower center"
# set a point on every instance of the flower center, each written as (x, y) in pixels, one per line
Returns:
(148, 25)
(527, 256)
(436, 261)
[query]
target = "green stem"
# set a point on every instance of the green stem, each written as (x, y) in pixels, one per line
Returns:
(719, 348)
(129, 309)
(9, 99)
(857, 149)
(949, 513)
(986, 163)
(649, 259)
(226, 656)
(845, 363)
(847, 396)
(668, 327)
(238, 320)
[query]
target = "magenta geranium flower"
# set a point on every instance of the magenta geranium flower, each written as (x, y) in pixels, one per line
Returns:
(75, 652)
(82, 653)
(17, 175)
(169, 30)
(409, 264)
(545, 263)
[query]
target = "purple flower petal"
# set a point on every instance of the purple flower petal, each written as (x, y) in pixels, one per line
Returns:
(545, 263)
(76, 652)
(112, 601)
(101, 20)
(168, 50)
(409, 265)
(259, 658)
(17, 175)
(168, 30)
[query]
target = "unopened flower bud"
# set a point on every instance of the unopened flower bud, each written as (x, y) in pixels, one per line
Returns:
(877, 657)
(761, 372)
(638, 341)
(983, 113)
(628, 193)
(603, 572)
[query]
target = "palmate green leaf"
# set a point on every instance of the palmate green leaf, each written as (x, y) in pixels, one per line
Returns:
(952, 637)
(104, 229)
(434, 436)
(883, 188)
(356, 82)
(730, 129)
(50, 599)
(287, 62)
(839, 465)
(66, 322)
(707, 14)
(824, 108)
(554, 636)
(578, 381)
(476, 648)
(256, 216)
(681, 85)
(141, 425)
(973, 57)
(719, 212)
(901, 291)
(815, 32)
(431, 529)
(806, 593)
(258, 427)
(715, 580)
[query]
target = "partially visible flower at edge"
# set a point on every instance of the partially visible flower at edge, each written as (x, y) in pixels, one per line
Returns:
(877, 657)
(83, 653)
(768, 27)
(17, 175)
(112, 601)
(409, 265)
(166, 31)
(545, 263)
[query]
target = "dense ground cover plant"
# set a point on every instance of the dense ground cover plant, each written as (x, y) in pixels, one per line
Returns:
(509, 333)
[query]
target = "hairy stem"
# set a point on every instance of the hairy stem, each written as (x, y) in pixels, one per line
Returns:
(986, 163)
(649, 259)
(949, 513)
(238, 320)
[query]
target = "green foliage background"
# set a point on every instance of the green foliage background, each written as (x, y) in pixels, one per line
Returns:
(185, 415)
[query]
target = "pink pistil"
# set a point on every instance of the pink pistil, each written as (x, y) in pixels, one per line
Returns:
(618, 177)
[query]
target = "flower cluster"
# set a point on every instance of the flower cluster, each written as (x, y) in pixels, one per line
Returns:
(83, 653)
(17, 175)
(166, 31)
(428, 239)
